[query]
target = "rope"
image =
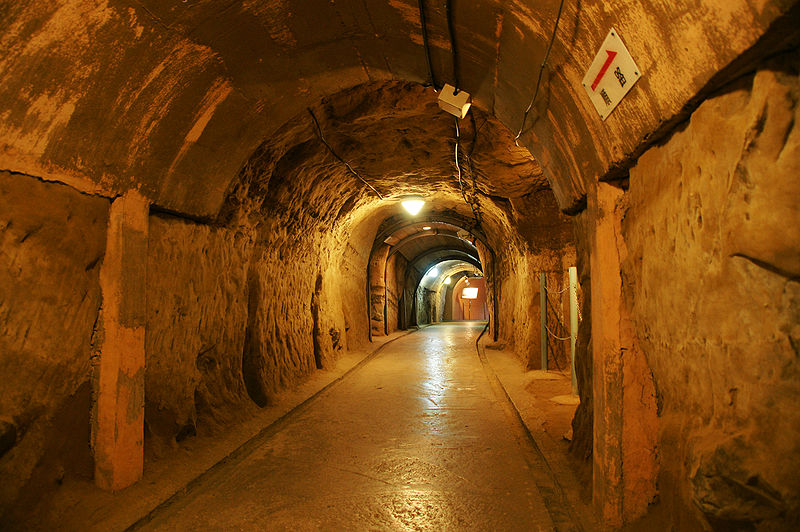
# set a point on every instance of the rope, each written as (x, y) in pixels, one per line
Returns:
(555, 336)
(541, 71)
(336, 155)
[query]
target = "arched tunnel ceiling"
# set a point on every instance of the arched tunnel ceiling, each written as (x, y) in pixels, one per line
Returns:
(449, 268)
(414, 242)
(173, 97)
(434, 256)
(401, 143)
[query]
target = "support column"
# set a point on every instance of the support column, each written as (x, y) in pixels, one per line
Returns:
(543, 316)
(573, 322)
(625, 419)
(118, 415)
(607, 359)
(377, 290)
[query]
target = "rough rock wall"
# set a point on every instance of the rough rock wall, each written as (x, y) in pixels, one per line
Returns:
(582, 423)
(538, 239)
(52, 241)
(197, 298)
(396, 269)
(520, 304)
(426, 306)
(713, 236)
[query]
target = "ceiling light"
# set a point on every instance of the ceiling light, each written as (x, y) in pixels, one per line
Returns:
(433, 272)
(426, 228)
(447, 281)
(413, 205)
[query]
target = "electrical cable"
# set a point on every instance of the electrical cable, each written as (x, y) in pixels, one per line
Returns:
(475, 211)
(458, 166)
(336, 155)
(474, 136)
(426, 44)
(453, 49)
(541, 71)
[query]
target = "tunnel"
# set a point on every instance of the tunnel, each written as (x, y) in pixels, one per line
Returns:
(228, 225)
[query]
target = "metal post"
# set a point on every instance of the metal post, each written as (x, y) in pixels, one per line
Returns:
(573, 321)
(543, 314)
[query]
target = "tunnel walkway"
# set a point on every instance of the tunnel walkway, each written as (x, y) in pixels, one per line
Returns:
(414, 440)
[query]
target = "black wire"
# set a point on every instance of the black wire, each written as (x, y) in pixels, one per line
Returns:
(453, 49)
(427, 46)
(474, 136)
(330, 149)
(475, 211)
(458, 166)
(541, 71)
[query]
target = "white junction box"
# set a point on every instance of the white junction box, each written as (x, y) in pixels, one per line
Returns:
(457, 104)
(611, 75)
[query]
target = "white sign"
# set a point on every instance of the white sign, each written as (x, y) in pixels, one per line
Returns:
(611, 76)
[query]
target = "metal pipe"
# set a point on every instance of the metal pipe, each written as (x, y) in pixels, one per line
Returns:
(573, 322)
(543, 314)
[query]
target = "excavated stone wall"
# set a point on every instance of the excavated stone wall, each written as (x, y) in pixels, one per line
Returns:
(711, 280)
(197, 302)
(52, 241)
(543, 243)
(582, 423)
(396, 271)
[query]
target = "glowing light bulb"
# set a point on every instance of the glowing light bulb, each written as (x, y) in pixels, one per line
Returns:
(447, 281)
(433, 272)
(413, 206)
(426, 228)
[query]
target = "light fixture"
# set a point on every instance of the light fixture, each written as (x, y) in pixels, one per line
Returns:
(455, 103)
(470, 293)
(447, 281)
(413, 204)
(426, 228)
(433, 272)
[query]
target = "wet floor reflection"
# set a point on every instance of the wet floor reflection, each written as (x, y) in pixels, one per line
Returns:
(414, 440)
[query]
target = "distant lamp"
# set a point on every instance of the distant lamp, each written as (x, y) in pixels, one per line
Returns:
(426, 228)
(413, 205)
(455, 103)
(447, 281)
(433, 272)
(470, 293)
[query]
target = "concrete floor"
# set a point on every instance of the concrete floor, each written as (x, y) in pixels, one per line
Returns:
(416, 439)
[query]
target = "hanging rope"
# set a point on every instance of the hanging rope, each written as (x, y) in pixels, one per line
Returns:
(556, 336)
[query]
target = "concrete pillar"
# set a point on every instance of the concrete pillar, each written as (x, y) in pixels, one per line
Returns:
(118, 416)
(377, 290)
(573, 323)
(625, 419)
